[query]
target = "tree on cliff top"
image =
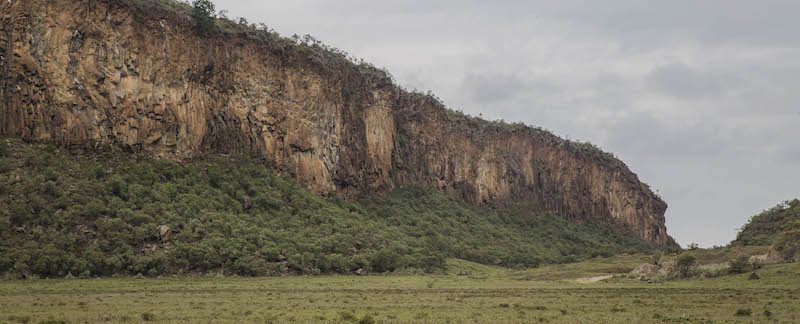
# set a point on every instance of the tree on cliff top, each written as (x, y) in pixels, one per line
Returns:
(203, 14)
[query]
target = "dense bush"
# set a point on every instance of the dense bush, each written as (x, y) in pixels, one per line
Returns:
(684, 265)
(98, 216)
(204, 16)
(740, 265)
(764, 228)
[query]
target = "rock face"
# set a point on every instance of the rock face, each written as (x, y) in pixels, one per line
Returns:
(787, 246)
(88, 74)
(165, 233)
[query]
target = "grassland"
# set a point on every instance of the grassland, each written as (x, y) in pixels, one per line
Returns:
(467, 292)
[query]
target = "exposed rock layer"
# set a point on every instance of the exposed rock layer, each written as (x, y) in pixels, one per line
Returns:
(86, 74)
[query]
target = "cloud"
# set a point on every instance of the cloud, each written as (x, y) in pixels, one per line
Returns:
(494, 88)
(681, 81)
(765, 23)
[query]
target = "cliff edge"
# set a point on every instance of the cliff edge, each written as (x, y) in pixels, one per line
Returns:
(118, 73)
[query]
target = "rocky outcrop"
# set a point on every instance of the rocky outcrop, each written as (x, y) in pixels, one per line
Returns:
(787, 245)
(109, 73)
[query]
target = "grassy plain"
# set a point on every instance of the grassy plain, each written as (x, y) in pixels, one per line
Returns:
(468, 292)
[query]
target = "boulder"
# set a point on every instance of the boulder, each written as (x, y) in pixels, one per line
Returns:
(165, 233)
(761, 258)
(362, 272)
(787, 246)
(646, 270)
(148, 247)
(247, 203)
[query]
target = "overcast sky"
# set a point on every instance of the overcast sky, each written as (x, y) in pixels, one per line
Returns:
(700, 98)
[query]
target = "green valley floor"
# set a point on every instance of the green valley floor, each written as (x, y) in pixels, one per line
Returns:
(468, 292)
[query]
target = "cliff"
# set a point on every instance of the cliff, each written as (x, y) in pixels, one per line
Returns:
(115, 73)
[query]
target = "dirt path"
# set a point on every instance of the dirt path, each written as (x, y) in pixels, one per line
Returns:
(587, 280)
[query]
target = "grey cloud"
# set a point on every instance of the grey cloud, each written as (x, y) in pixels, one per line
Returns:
(643, 133)
(791, 155)
(493, 88)
(679, 80)
(733, 21)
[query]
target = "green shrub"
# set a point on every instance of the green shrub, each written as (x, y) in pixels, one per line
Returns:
(147, 316)
(204, 16)
(334, 263)
(53, 321)
(5, 166)
(656, 258)
(19, 319)
(739, 265)
(684, 265)
(366, 319)
(347, 316)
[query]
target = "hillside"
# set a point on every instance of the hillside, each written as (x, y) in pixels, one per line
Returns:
(135, 75)
(766, 227)
(98, 215)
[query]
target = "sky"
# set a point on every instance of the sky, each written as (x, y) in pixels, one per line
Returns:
(700, 98)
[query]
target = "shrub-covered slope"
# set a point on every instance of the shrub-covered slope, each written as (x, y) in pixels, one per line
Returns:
(98, 216)
(764, 228)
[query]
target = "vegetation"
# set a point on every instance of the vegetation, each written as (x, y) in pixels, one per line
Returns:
(787, 244)
(656, 258)
(468, 293)
(740, 265)
(204, 16)
(99, 216)
(684, 265)
(723, 255)
(764, 228)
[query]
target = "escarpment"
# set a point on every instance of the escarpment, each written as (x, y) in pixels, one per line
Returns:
(89, 74)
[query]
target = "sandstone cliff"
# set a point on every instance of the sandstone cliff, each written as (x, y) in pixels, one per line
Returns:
(108, 73)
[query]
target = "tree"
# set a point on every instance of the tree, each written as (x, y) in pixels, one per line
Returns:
(739, 265)
(656, 258)
(204, 18)
(684, 265)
